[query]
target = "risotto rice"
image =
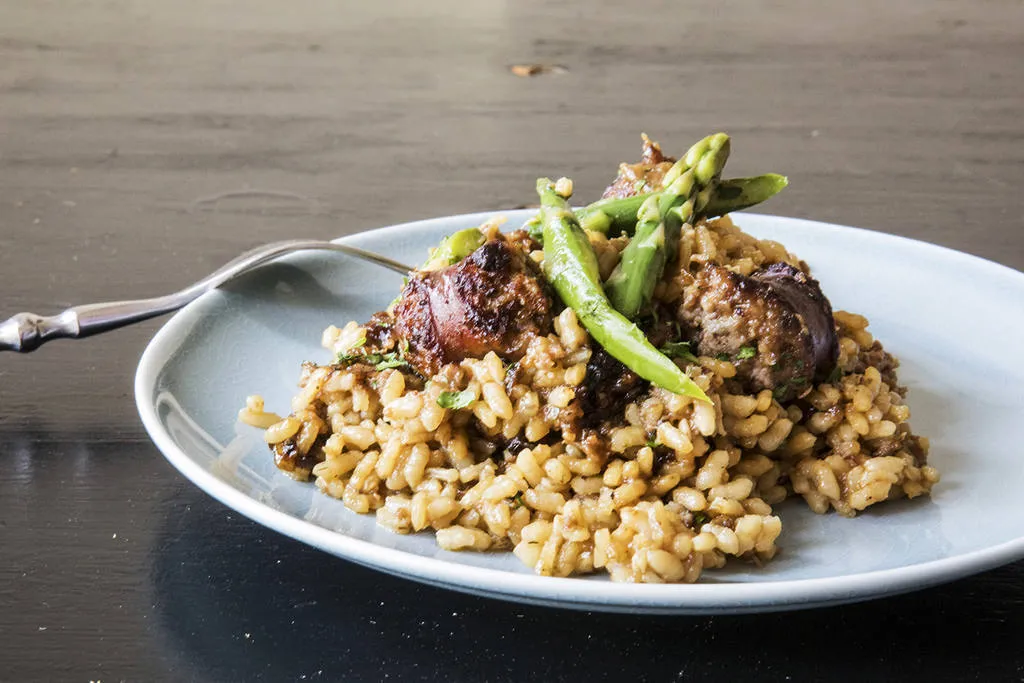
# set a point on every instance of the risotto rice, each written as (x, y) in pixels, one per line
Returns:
(667, 488)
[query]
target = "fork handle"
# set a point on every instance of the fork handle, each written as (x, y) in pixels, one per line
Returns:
(26, 332)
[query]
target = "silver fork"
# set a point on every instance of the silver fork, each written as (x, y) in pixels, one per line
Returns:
(28, 331)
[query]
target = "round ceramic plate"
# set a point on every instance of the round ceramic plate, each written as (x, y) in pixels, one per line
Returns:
(954, 321)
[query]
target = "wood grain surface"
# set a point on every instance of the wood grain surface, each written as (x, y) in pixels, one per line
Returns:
(144, 143)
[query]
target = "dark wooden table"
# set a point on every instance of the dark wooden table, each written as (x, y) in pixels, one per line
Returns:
(142, 144)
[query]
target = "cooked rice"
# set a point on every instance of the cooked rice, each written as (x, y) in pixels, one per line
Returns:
(673, 487)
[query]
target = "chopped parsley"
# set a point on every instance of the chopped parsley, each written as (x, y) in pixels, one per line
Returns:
(379, 361)
(699, 520)
(679, 350)
(780, 391)
(517, 501)
(653, 442)
(387, 360)
(746, 352)
(455, 399)
(347, 358)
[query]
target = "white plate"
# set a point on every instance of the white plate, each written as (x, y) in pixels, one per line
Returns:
(955, 321)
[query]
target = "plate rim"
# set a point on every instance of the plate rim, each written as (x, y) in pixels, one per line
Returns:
(696, 598)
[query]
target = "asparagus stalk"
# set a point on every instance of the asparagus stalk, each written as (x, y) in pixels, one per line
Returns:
(454, 248)
(571, 267)
(689, 186)
(735, 194)
(632, 282)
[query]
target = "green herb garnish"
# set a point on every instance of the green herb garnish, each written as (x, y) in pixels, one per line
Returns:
(455, 399)
(517, 500)
(653, 442)
(383, 361)
(699, 520)
(679, 350)
(746, 352)
(722, 356)
(835, 375)
(346, 358)
(379, 361)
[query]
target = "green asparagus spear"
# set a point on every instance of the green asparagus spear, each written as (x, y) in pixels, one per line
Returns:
(618, 215)
(454, 248)
(689, 185)
(736, 194)
(614, 216)
(631, 284)
(571, 267)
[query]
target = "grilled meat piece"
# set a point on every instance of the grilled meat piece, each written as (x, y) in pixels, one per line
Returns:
(643, 176)
(607, 387)
(493, 300)
(288, 459)
(804, 297)
(877, 357)
(521, 240)
(775, 325)
(661, 326)
(381, 336)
